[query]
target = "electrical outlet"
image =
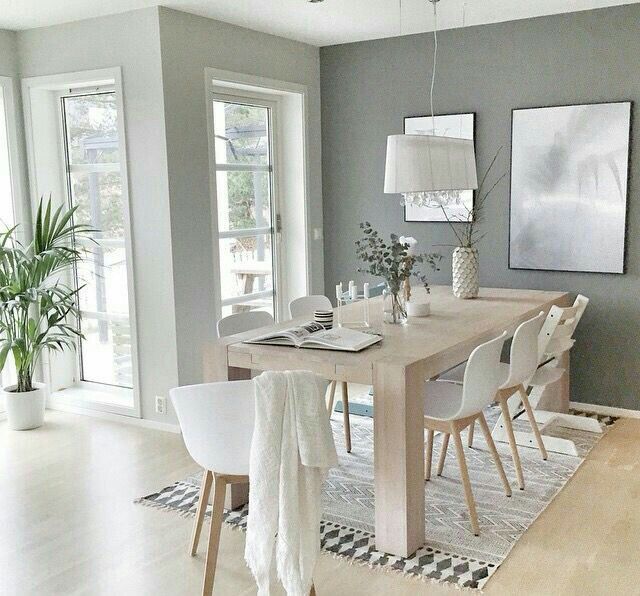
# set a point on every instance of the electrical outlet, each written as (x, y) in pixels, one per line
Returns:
(317, 234)
(161, 404)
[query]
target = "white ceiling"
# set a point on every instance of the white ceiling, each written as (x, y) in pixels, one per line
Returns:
(325, 23)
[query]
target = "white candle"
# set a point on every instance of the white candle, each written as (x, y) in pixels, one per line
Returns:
(339, 291)
(366, 289)
(353, 290)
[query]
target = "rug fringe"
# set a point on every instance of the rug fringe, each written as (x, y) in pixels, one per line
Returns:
(383, 569)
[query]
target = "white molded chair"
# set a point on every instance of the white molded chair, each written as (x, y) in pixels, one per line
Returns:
(217, 421)
(451, 407)
(243, 321)
(521, 371)
(305, 306)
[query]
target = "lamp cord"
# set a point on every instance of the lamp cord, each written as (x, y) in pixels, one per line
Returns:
(435, 62)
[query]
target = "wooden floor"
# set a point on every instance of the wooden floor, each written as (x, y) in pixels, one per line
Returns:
(68, 524)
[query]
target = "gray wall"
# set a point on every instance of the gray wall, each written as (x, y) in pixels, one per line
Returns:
(218, 45)
(8, 53)
(369, 87)
(131, 41)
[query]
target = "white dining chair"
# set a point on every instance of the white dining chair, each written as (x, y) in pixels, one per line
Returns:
(520, 374)
(243, 321)
(216, 420)
(451, 407)
(305, 306)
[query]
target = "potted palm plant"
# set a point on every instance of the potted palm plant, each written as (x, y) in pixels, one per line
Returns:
(38, 311)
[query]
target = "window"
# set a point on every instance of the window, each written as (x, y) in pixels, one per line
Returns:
(245, 198)
(94, 186)
(76, 149)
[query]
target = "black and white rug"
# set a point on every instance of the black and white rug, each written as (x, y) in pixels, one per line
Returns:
(451, 553)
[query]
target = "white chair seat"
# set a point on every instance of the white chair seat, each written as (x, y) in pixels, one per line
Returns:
(546, 375)
(442, 399)
(559, 345)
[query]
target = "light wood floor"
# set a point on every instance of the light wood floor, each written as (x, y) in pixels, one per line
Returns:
(68, 524)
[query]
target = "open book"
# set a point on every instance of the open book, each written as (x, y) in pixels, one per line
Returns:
(314, 335)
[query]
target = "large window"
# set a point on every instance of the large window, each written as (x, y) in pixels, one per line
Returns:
(244, 173)
(94, 185)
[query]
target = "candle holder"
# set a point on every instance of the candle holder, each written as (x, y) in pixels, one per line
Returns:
(359, 317)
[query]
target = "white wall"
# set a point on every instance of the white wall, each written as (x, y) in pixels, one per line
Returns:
(189, 45)
(131, 41)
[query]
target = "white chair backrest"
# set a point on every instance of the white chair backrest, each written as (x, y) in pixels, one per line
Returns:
(482, 377)
(217, 424)
(306, 305)
(523, 362)
(243, 321)
(561, 323)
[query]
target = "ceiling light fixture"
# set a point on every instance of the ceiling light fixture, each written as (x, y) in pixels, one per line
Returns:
(430, 170)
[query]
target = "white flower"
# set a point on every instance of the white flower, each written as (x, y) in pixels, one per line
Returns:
(412, 242)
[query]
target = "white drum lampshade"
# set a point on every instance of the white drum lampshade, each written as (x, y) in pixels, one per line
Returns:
(424, 163)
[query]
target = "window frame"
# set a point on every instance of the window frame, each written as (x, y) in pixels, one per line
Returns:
(88, 394)
(271, 103)
(15, 171)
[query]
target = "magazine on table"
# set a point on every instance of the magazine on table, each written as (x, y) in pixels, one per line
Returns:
(314, 335)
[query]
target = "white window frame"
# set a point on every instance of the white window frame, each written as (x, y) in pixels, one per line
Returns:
(15, 169)
(246, 88)
(84, 394)
(264, 101)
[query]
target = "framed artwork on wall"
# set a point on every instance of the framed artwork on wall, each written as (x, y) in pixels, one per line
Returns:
(447, 125)
(569, 183)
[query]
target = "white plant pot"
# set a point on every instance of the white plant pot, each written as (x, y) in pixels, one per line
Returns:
(465, 272)
(25, 410)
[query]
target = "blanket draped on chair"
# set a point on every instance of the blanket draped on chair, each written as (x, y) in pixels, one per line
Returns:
(292, 451)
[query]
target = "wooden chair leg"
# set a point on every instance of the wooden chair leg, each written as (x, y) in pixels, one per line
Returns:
(472, 427)
(532, 421)
(345, 416)
(466, 482)
(219, 490)
(332, 396)
(427, 460)
(494, 452)
(205, 489)
(443, 453)
(512, 441)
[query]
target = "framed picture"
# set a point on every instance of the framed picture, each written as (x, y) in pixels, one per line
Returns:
(461, 126)
(569, 179)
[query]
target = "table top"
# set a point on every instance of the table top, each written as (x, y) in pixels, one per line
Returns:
(437, 342)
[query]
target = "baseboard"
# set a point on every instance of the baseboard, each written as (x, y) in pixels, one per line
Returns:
(141, 422)
(606, 410)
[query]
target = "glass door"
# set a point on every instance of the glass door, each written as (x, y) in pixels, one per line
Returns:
(244, 175)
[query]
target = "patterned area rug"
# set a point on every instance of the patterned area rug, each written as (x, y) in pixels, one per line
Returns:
(451, 553)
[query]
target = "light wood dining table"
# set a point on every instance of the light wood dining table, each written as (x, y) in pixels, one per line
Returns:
(397, 368)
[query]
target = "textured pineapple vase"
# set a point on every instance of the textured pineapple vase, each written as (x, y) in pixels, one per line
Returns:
(465, 272)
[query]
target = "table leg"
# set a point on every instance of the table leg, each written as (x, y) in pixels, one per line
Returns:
(216, 369)
(398, 458)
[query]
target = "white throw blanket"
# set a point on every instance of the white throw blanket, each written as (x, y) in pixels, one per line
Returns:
(291, 452)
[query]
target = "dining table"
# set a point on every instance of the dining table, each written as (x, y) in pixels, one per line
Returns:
(397, 368)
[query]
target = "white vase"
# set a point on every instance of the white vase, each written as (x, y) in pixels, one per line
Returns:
(465, 272)
(25, 410)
